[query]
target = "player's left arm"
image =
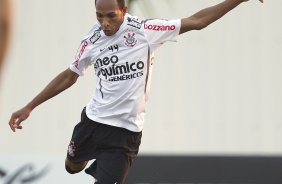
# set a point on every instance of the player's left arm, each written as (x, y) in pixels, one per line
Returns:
(206, 16)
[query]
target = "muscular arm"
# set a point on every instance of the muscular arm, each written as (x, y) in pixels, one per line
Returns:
(60, 83)
(209, 15)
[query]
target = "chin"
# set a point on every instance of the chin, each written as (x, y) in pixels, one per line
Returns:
(109, 33)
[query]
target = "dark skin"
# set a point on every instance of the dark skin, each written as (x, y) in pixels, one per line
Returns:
(111, 16)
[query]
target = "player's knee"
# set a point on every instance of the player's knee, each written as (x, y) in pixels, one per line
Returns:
(72, 171)
(74, 168)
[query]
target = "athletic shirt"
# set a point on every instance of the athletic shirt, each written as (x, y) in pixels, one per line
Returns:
(123, 64)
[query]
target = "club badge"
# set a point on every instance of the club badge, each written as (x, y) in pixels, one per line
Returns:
(130, 40)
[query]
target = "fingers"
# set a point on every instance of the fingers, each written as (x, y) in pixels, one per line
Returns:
(17, 117)
(12, 122)
(15, 122)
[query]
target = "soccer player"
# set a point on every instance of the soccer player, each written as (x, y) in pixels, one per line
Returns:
(120, 47)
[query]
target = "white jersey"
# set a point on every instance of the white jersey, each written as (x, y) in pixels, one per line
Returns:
(122, 64)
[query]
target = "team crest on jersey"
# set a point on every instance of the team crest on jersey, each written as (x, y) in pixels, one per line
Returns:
(130, 40)
(96, 36)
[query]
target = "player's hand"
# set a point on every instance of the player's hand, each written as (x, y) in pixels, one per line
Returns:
(17, 117)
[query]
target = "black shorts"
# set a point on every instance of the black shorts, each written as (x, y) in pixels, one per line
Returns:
(113, 148)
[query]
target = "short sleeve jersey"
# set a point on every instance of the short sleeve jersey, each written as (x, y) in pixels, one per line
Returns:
(123, 64)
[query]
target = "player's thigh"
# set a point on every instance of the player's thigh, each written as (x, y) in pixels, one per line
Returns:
(113, 167)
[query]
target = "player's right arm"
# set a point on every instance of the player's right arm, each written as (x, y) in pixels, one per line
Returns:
(60, 83)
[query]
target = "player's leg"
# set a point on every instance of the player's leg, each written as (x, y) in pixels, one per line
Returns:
(110, 167)
(82, 146)
(72, 167)
(120, 147)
